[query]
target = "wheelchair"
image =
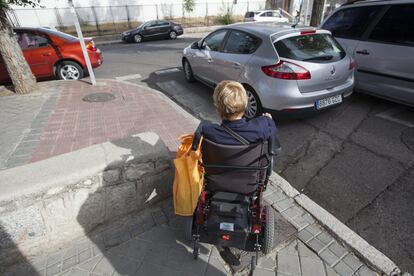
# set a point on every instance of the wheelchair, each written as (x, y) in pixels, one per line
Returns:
(230, 211)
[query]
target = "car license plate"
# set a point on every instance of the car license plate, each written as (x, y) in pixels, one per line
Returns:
(328, 101)
(227, 226)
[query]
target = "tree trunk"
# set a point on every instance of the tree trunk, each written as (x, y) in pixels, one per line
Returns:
(317, 10)
(16, 65)
(270, 5)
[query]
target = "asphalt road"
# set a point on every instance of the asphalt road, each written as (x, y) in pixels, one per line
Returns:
(355, 160)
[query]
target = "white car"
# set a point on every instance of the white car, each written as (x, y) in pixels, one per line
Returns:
(265, 16)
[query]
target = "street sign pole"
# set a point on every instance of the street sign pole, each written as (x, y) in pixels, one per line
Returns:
(82, 42)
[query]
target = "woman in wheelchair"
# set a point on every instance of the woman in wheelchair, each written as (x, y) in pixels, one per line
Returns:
(237, 157)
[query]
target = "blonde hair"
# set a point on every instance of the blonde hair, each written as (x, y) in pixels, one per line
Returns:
(230, 99)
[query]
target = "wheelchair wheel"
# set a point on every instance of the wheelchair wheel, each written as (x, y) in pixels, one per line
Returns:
(269, 230)
(196, 249)
(188, 228)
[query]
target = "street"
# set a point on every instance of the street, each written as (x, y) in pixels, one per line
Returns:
(355, 160)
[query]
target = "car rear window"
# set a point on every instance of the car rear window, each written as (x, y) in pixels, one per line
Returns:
(318, 48)
(60, 34)
(249, 14)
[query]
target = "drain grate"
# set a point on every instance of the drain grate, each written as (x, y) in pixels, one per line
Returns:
(99, 97)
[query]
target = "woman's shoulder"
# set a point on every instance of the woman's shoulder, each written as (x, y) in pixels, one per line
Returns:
(262, 120)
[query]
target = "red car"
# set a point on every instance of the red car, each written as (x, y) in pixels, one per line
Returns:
(53, 54)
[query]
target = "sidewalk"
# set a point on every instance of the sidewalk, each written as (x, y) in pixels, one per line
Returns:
(65, 116)
(56, 119)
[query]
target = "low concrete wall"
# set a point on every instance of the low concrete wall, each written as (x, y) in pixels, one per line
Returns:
(50, 202)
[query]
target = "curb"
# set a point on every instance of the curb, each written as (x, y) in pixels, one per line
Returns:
(115, 39)
(356, 243)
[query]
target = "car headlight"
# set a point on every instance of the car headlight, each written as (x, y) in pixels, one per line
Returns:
(127, 33)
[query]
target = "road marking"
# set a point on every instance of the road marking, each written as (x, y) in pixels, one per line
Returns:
(388, 115)
(129, 77)
(165, 71)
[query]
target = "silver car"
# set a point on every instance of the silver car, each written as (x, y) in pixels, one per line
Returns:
(380, 36)
(282, 68)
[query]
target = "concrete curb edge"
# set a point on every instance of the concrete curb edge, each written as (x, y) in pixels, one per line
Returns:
(360, 246)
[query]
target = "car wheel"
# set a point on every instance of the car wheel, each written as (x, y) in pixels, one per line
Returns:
(188, 72)
(138, 38)
(254, 108)
(173, 35)
(69, 70)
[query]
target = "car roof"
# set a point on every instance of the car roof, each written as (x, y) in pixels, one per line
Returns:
(266, 29)
(376, 2)
(263, 11)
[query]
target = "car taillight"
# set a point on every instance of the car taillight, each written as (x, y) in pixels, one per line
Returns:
(287, 71)
(352, 63)
(90, 45)
(305, 32)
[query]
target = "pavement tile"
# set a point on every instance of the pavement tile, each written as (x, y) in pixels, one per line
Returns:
(85, 255)
(156, 254)
(329, 270)
(150, 269)
(77, 272)
(195, 267)
(311, 266)
(337, 249)
(304, 235)
(69, 262)
(123, 266)
(53, 269)
(304, 251)
(342, 269)
(328, 257)
(104, 267)
(133, 249)
(352, 261)
(289, 264)
(263, 272)
(90, 264)
(365, 271)
(315, 244)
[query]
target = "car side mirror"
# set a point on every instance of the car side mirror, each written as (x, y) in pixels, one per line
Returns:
(146, 27)
(195, 45)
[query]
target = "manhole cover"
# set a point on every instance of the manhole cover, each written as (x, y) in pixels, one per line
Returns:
(99, 97)
(407, 137)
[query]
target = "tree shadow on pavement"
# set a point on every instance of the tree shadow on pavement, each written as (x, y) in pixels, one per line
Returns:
(13, 262)
(148, 242)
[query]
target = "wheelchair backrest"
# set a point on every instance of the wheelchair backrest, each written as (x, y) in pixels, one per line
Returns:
(234, 168)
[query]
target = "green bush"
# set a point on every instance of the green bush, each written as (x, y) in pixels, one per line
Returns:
(225, 19)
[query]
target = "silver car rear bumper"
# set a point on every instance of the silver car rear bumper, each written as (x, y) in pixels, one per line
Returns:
(291, 98)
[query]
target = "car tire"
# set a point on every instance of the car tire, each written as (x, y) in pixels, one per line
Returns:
(254, 107)
(188, 72)
(69, 70)
(172, 35)
(137, 38)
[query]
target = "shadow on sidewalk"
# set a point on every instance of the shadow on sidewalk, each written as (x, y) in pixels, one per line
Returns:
(147, 243)
(14, 263)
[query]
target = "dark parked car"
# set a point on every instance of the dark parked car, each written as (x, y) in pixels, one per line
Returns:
(153, 29)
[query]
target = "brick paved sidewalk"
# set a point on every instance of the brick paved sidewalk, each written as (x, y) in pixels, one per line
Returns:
(57, 120)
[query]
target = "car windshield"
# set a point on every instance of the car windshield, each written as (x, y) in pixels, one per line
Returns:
(60, 34)
(318, 48)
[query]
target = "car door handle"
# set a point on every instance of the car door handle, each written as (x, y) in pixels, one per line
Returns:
(210, 60)
(236, 65)
(47, 54)
(363, 52)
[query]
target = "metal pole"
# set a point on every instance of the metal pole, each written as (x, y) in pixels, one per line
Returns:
(323, 11)
(128, 17)
(82, 42)
(306, 13)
